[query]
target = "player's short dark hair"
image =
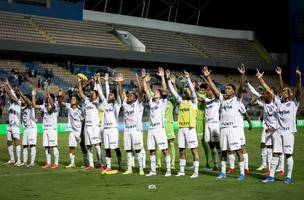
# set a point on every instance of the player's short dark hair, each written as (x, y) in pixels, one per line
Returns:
(231, 85)
(203, 86)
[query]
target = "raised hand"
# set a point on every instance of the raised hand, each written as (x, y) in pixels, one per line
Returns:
(278, 70)
(242, 69)
(33, 92)
(172, 78)
(298, 72)
(161, 72)
(259, 74)
(206, 71)
(143, 73)
(168, 74)
(119, 77)
(106, 77)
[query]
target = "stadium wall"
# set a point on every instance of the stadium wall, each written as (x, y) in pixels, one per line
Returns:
(58, 9)
(168, 26)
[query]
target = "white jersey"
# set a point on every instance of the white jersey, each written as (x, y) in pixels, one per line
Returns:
(212, 114)
(14, 113)
(287, 112)
(49, 118)
(92, 110)
(75, 117)
(111, 110)
(240, 119)
(28, 117)
(133, 115)
(229, 111)
(157, 113)
(270, 114)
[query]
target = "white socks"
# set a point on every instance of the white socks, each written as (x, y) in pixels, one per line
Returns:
(269, 156)
(282, 162)
(168, 163)
(90, 156)
(11, 152)
(196, 166)
(18, 153)
(273, 165)
(56, 155)
(289, 166)
(72, 158)
(246, 160)
(130, 161)
(48, 156)
(140, 161)
(98, 152)
(242, 167)
(33, 154)
(231, 158)
(182, 164)
(108, 161)
(25, 155)
(143, 157)
(223, 167)
(153, 163)
(264, 154)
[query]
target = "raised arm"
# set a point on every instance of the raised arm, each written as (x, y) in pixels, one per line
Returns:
(172, 89)
(146, 88)
(190, 84)
(279, 72)
(34, 100)
(118, 80)
(299, 85)
(80, 85)
(97, 86)
(26, 100)
(7, 88)
(242, 80)
(161, 74)
(252, 90)
(207, 73)
(265, 85)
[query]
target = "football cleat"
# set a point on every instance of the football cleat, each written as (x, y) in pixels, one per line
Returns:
(221, 176)
(269, 179)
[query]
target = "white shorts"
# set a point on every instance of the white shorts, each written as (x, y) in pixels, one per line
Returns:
(187, 138)
(111, 138)
(92, 135)
(50, 138)
(133, 140)
(13, 132)
(230, 139)
(212, 132)
(242, 135)
(266, 138)
(283, 142)
(74, 138)
(29, 136)
(157, 138)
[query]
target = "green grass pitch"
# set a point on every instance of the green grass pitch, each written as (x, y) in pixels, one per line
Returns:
(36, 183)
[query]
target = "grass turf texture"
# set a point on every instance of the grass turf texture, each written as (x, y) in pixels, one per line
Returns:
(37, 183)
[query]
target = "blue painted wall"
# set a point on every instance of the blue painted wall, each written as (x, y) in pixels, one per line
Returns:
(58, 9)
(296, 51)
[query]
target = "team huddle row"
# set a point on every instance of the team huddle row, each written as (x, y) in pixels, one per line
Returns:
(204, 113)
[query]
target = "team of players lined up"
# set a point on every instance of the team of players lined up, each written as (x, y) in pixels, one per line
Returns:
(203, 114)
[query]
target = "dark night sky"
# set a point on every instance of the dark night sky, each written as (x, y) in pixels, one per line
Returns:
(268, 18)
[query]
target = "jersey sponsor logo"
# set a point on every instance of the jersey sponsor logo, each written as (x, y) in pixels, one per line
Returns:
(284, 112)
(128, 113)
(154, 108)
(184, 109)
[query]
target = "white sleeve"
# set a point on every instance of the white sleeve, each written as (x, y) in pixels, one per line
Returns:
(174, 93)
(221, 98)
(193, 93)
(242, 109)
(260, 103)
(252, 90)
(102, 97)
(107, 89)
